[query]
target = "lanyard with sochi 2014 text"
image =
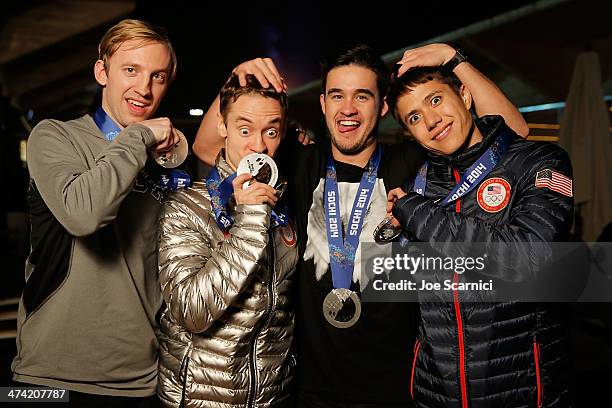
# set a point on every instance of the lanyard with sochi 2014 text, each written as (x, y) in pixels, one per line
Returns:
(474, 175)
(220, 193)
(342, 250)
(175, 179)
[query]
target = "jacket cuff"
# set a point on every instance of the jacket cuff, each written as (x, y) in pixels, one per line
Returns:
(257, 215)
(147, 135)
(404, 209)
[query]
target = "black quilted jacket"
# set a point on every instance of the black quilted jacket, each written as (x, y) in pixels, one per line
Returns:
(476, 354)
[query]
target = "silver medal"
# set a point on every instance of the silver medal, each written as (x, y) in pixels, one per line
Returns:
(342, 308)
(261, 166)
(174, 157)
(386, 232)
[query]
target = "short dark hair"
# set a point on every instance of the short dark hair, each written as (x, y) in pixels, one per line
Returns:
(417, 76)
(361, 55)
(232, 90)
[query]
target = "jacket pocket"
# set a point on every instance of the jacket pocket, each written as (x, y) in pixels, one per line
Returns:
(417, 347)
(536, 358)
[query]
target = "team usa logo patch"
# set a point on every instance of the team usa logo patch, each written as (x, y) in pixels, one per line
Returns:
(288, 235)
(494, 194)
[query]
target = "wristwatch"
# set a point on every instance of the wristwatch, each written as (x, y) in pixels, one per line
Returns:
(457, 59)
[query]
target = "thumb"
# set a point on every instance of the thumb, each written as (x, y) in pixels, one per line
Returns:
(240, 180)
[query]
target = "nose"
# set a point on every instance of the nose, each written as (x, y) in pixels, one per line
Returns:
(258, 144)
(348, 107)
(432, 118)
(143, 86)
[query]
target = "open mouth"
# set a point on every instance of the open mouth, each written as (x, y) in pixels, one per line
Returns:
(347, 125)
(443, 133)
(137, 107)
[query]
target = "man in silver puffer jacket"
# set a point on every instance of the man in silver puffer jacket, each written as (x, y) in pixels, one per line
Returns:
(227, 327)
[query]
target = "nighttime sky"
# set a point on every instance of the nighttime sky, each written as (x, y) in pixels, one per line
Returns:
(296, 35)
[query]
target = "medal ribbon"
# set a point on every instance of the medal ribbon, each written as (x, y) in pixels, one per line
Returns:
(474, 175)
(175, 179)
(106, 125)
(172, 180)
(342, 250)
(220, 193)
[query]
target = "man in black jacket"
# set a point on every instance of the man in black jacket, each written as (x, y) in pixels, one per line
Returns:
(478, 354)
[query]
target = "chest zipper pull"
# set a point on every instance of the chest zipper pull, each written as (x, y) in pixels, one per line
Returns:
(183, 379)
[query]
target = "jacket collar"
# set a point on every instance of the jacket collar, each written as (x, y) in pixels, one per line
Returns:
(489, 126)
(223, 167)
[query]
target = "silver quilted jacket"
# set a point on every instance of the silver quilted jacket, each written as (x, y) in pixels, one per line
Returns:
(227, 328)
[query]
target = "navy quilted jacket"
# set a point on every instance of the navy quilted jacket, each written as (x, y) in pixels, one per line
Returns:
(504, 354)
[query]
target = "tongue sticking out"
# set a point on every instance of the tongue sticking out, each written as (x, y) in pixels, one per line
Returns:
(347, 125)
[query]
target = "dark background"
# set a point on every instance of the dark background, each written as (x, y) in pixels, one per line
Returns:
(48, 47)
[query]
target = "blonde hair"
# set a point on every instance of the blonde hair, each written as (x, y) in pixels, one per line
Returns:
(131, 29)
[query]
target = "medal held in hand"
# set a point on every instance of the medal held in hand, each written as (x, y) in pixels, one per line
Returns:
(174, 157)
(261, 166)
(264, 170)
(386, 232)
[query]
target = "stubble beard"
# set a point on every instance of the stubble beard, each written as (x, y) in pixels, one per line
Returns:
(357, 147)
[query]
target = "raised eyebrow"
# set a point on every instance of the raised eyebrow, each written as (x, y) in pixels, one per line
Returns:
(275, 121)
(432, 94)
(409, 114)
(427, 97)
(243, 119)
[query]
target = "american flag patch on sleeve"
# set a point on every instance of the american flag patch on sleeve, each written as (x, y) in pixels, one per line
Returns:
(554, 181)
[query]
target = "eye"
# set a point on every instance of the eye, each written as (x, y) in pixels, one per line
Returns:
(336, 97)
(435, 101)
(130, 70)
(362, 98)
(243, 131)
(272, 133)
(159, 77)
(414, 119)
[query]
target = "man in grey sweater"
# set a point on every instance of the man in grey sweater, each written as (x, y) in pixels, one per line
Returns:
(87, 316)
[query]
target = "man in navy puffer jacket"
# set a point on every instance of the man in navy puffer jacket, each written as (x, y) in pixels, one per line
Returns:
(483, 354)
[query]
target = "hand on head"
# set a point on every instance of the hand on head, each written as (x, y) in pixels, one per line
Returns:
(430, 55)
(296, 130)
(255, 193)
(304, 138)
(264, 70)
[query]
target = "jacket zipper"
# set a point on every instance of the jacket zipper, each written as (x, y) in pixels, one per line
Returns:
(267, 317)
(417, 347)
(183, 375)
(536, 357)
(462, 379)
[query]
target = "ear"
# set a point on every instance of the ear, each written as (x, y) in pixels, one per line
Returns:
(100, 73)
(322, 101)
(466, 96)
(384, 109)
(221, 128)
